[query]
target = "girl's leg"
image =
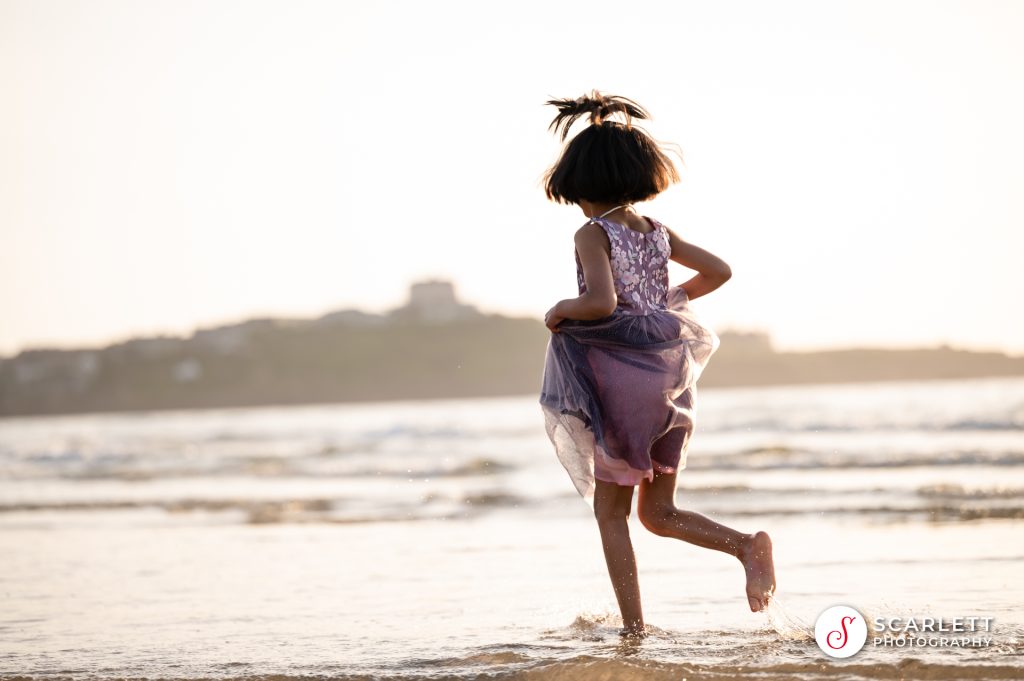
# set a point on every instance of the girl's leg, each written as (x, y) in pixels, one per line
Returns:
(612, 504)
(658, 513)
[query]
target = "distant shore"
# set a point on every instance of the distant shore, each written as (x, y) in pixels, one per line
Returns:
(287, 362)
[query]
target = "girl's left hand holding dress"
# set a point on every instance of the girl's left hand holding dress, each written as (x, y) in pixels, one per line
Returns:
(552, 319)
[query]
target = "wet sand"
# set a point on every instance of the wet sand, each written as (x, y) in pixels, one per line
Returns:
(443, 541)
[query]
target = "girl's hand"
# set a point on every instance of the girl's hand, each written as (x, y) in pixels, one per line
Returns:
(552, 318)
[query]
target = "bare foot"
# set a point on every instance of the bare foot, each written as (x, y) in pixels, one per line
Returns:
(756, 557)
(633, 632)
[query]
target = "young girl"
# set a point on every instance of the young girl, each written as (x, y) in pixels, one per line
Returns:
(619, 383)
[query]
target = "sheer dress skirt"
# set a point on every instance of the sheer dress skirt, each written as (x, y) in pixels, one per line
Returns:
(619, 393)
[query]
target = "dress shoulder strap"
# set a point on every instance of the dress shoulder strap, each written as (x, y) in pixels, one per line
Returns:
(614, 238)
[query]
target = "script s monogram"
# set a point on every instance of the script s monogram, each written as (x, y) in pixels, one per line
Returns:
(843, 636)
(845, 641)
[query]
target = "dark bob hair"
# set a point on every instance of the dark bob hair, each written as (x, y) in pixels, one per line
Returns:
(609, 161)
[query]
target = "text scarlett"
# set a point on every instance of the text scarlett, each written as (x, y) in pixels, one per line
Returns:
(952, 625)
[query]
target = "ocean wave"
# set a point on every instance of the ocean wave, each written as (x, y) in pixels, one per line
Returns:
(931, 513)
(511, 666)
(955, 491)
(70, 465)
(779, 458)
(627, 663)
(427, 506)
(141, 468)
(782, 424)
(942, 503)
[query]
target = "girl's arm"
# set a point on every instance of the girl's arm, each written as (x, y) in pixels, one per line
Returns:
(599, 299)
(712, 271)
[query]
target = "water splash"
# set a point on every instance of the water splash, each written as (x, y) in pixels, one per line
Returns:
(589, 626)
(787, 625)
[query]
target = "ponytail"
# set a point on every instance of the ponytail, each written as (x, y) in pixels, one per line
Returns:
(599, 106)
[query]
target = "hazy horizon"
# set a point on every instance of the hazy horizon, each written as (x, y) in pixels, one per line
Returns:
(384, 311)
(173, 165)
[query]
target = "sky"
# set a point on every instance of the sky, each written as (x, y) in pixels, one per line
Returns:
(167, 166)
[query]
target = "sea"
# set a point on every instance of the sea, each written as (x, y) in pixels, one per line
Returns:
(443, 540)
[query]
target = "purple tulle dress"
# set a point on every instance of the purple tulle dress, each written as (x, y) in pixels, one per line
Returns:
(618, 393)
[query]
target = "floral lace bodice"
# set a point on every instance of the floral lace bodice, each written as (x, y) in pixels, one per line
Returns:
(639, 266)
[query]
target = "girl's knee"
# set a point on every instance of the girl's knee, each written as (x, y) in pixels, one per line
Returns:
(653, 517)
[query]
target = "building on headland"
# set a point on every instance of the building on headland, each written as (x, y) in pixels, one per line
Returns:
(433, 302)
